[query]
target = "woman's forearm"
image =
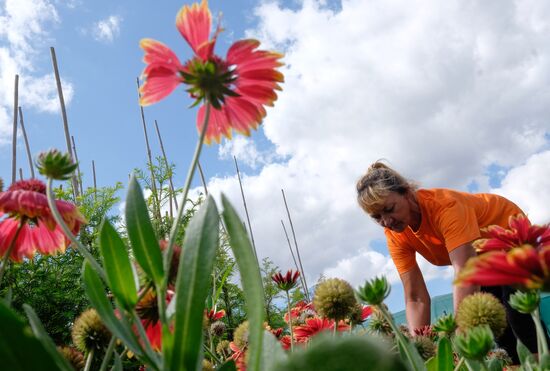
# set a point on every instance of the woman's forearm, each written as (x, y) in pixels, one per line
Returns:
(418, 313)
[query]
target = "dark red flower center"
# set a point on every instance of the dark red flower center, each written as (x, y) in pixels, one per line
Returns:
(33, 185)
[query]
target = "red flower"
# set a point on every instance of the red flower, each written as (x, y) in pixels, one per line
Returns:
(521, 232)
(148, 311)
(366, 312)
(26, 202)
(238, 87)
(314, 326)
(285, 342)
(288, 281)
(213, 315)
(425, 330)
(239, 356)
(277, 333)
(299, 309)
(526, 266)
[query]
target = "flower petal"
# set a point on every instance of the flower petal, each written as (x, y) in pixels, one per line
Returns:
(194, 22)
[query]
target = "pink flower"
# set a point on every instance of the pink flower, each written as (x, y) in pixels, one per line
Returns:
(238, 87)
(314, 326)
(286, 282)
(26, 202)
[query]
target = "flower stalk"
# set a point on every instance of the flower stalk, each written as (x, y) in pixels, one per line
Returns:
(290, 322)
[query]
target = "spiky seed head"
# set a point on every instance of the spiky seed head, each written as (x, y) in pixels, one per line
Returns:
(356, 315)
(525, 301)
(475, 343)
(217, 328)
(75, 358)
(425, 346)
(481, 308)
(378, 323)
(89, 333)
(207, 365)
(223, 348)
(334, 299)
(55, 164)
(375, 291)
(500, 354)
(240, 335)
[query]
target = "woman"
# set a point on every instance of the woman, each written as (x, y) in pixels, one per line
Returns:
(440, 225)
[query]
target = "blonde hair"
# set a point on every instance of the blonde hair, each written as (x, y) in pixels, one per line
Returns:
(377, 183)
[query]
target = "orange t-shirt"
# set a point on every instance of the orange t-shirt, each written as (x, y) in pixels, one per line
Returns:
(449, 220)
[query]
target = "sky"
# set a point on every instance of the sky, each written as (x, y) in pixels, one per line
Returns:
(451, 94)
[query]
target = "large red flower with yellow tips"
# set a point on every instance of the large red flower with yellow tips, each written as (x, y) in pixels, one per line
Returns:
(237, 87)
(26, 202)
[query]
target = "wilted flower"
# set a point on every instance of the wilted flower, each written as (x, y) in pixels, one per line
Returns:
(217, 328)
(525, 301)
(481, 308)
(425, 346)
(238, 87)
(75, 358)
(316, 325)
(89, 333)
(521, 232)
(445, 325)
(286, 282)
(55, 164)
(213, 315)
(26, 202)
(334, 299)
(375, 291)
(476, 343)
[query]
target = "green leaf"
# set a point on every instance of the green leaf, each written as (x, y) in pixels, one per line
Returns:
(96, 293)
(45, 339)
(523, 353)
(142, 236)
(496, 365)
(272, 352)
(117, 266)
(251, 281)
(118, 363)
(413, 358)
(227, 366)
(349, 353)
(226, 274)
(445, 359)
(19, 349)
(193, 281)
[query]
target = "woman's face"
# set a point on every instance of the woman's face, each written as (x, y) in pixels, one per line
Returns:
(397, 212)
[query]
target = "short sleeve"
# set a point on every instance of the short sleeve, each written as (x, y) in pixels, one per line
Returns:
(403, 256)
(457, 223)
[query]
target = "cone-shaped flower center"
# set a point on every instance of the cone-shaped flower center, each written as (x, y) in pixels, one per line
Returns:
(33, 185)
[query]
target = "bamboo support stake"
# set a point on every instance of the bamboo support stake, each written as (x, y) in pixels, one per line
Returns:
(64, 115)
(245, 207)
(294, 259)
(202, 178)
(295, 243)
(14, 137)
(77, 166)
(170, 179)
(95, 183)
(151, 169)
(27, 146)
(20, 174)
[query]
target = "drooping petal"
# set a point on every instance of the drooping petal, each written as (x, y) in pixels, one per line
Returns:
(22, 248)
(218, 124)
(161, 74)
(48, 242)
(194, 22)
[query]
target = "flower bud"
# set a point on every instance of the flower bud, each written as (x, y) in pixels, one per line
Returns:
(56, 165)
(375, 291)
(525, 302)
(476, 343)
(481, 308)
(445, 325)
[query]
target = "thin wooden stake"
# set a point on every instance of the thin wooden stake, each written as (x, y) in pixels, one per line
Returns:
(77, 166)
(295, 243)
(20, 174)
(64, 115)
(295, 262)
(95, 183)
(245, 207)
(167, 167)
(202, 179)
(21, 122)
(151, 169)
(14, 137)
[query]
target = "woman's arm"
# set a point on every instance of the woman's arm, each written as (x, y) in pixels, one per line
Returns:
(459, 257)
(417, 299)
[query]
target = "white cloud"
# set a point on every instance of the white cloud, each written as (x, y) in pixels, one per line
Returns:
(440, 89)
(23, 35)
(245, 151)
(106, 30)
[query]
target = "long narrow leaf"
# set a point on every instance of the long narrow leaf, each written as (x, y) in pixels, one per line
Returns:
(45, 339)
(222, 282)
(445, 359)
(195, 268)
(142, 236)
(251, 281)
(96, 293)
(117, 266)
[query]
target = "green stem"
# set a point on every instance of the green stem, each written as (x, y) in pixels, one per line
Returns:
(459, 364)
(59, 220)
(211, 354)
(108, 354)
(89, 360)
(541, 338)
(290, 322)
(399, 336)
(10, 249)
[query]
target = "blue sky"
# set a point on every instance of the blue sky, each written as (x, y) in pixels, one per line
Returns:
(453, 94)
